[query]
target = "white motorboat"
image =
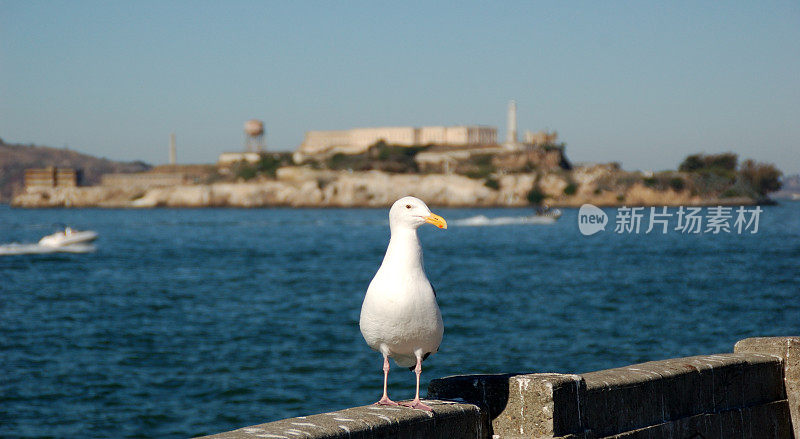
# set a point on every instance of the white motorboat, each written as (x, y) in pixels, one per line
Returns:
(68, 236)
(548, 212)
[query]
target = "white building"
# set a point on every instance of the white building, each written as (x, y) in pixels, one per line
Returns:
(358, 140)
(229, 158)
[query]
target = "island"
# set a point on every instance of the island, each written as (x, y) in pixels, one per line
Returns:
(536, 172)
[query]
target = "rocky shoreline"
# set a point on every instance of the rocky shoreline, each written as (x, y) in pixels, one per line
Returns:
(305, 187)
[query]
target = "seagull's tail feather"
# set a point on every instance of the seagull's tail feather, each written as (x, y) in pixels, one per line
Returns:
(410, 362)
(405, 360)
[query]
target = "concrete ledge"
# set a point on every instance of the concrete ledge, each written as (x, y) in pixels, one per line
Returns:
(530, 405)
(707, 395)
(651, 393)
(766, 421)
(787, 349)
(448, 420)
(751, 393)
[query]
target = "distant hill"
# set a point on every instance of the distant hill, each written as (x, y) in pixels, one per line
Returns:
(15, 158)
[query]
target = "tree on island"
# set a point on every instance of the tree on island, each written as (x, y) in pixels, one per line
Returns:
(764, 177)
(722, 171)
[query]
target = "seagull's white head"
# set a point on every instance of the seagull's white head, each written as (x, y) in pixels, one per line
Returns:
(410, 213)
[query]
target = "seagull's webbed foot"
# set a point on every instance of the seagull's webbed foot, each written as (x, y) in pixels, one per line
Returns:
(385, 398)
(416, 404)
(385, 401)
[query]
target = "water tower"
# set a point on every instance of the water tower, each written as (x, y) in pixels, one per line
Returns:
(254, 136)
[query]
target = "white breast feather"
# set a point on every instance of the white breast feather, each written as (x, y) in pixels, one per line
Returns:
(400, 312)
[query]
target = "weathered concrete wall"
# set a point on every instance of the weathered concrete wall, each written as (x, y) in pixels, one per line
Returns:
(720, 396)
(448, 420)
(788, 350)
(751, 393)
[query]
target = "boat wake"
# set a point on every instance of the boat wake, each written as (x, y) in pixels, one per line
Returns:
(482, 220)
(37, 249)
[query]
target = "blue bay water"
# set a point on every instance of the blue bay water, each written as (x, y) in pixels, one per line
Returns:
(190, 322)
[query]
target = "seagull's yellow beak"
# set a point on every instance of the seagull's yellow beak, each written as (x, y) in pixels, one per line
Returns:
(436, 220)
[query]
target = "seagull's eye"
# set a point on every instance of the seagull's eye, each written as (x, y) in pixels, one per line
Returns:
(408, 206)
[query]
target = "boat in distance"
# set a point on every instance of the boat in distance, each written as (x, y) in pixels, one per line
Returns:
(68, 236)
(548, 212)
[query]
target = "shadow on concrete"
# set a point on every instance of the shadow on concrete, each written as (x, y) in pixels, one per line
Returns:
(489, 392)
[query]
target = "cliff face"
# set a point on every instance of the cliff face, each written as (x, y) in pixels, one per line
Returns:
(304, 187)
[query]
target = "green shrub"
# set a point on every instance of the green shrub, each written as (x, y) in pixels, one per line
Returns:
(380, 156)
(763, 177)
(726, 161)
(478, 167)
(730, 193)
(709, 183)
(536, 196)
(246, 172)
(721, 164)
(268, 164)
(481, 159)
(692, 163)
(554, 146)
(650, 181)
(677, 184)
(479, 173)
(492, 183)
(402, 155)
(338, 161)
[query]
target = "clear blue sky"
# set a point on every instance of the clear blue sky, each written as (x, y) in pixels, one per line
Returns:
(643, 83)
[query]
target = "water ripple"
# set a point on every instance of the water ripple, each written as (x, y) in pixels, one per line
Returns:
(185, 322)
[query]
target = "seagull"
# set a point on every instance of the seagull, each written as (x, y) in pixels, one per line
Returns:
(399, 316)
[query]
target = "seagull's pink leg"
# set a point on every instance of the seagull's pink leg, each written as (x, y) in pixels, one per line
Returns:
(385, 398)
(416, 403)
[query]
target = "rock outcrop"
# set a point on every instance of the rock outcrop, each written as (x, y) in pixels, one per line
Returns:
(304, 187)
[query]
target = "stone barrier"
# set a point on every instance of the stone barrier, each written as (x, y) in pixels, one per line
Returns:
(751, 393)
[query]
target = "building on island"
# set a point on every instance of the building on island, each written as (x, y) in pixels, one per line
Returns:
(144, 179)
(455, 144)
(530, 139)
(254, 144)
(160, 176)
(539, 138)
(358, 140)
(52, 177)
(229, 158)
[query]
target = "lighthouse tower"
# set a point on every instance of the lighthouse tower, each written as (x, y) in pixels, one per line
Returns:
(511, 128)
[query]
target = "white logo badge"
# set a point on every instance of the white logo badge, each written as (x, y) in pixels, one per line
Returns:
(591, 219)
